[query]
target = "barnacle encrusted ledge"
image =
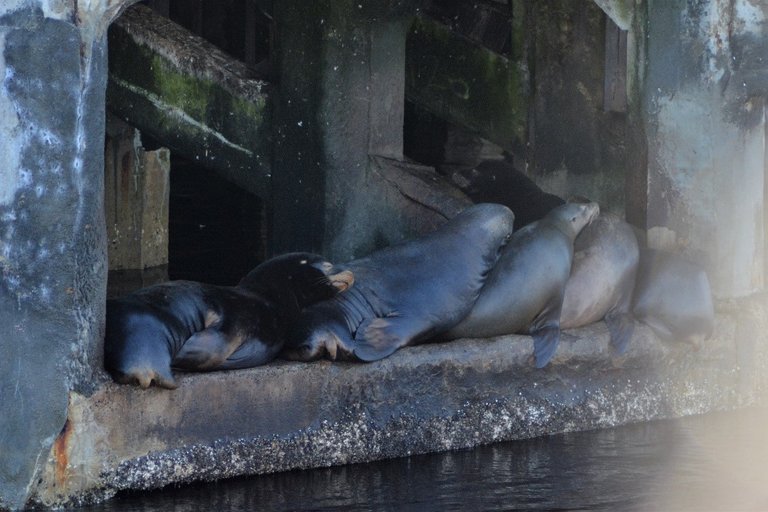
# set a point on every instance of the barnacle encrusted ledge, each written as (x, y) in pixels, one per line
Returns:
(422, 399)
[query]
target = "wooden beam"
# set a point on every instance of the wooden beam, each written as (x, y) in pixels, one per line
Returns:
(191, 97)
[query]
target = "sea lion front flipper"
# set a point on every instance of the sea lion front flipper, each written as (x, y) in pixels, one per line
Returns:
(377, 338)
(205, 350)
(326, 339)
(251, 352)
(137, 346)
(144, 376)
(545, 342)
(621, 327)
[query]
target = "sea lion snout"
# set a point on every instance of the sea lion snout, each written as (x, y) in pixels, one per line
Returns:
(343, 280)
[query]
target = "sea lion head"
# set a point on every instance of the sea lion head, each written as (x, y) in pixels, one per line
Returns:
(574, 215)
(297, 280)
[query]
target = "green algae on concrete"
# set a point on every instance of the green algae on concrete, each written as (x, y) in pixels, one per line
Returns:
(466, 84)
(184, 92)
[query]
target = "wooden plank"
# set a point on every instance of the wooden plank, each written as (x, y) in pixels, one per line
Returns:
(190, 96)
(615, 96)
(136, 185)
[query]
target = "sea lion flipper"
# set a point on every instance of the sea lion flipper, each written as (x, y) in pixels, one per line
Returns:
(205, 350)
(621, 327)
(145, 376)
(545, 342)
(164, 379)
(251, 352)
(376, 338)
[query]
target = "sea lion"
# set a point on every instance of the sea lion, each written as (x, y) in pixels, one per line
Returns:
(602, 279)
(605, 252)
(524, 291)
(406, 293)
(201, 327)
(497, 181)
(673, 297)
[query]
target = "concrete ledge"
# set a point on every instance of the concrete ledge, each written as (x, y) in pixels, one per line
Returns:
(422, 399)
(190, 96)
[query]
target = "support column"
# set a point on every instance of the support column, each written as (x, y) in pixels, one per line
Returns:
(705, 127)
(340, 100)
(52, 235)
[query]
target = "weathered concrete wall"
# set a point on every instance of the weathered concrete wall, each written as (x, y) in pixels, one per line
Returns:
(52, 245)
(703, 111)
(466, 84)
(545, 102)
(422, 399)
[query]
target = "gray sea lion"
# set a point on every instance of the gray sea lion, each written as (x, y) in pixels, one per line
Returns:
(602, 279)
(524, 291)
(673, 297)
(406, 293)
(201, 327)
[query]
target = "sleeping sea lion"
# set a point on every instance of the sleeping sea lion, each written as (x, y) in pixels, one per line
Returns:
(201, 327)
(406, 293)
(524, 291)
(673, 297)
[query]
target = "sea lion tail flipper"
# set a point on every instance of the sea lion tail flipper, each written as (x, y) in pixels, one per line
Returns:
(545, 342)
(377, 338)
(621, 327)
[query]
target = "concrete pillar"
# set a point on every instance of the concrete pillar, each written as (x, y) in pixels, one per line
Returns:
(52, 236)
(703, 111)
(340, 70)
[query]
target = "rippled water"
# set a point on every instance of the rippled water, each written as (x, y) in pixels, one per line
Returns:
(713, 462)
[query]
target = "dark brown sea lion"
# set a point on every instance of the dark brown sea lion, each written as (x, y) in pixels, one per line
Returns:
(497, 181)
(200, 327)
